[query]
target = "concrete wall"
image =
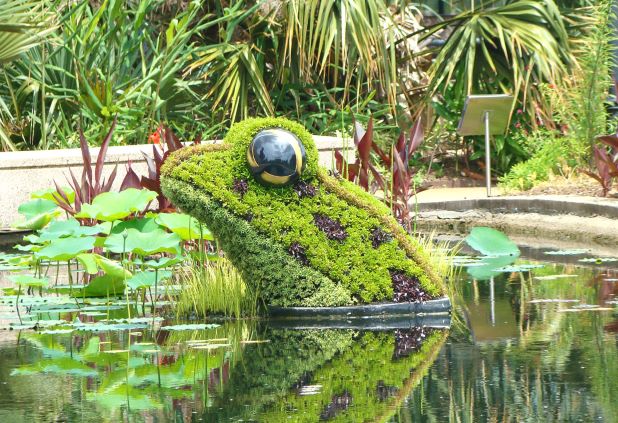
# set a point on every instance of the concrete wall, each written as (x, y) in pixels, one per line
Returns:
(23, 172)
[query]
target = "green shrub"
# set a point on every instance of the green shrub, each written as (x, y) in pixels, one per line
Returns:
(257, 228)
(555, 154)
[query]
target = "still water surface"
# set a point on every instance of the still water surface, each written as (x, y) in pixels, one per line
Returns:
(532, 346)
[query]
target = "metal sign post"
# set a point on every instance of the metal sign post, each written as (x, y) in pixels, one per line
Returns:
(486, 115)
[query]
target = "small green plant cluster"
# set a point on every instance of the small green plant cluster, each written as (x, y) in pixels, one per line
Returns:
(217, 288)
(557, 154)
(257, 227)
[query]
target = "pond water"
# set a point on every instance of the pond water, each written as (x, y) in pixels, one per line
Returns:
(534, 345)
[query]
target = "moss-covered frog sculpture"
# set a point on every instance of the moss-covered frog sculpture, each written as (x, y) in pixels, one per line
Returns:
(301, 236)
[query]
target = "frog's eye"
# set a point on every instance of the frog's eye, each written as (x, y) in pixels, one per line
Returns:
(276, 157)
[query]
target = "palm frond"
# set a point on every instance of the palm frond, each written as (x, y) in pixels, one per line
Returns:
(23, 25)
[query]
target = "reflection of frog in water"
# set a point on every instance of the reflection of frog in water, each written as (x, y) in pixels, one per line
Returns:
(299, 235)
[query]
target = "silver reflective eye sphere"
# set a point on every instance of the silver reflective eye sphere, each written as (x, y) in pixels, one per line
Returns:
(276, 157)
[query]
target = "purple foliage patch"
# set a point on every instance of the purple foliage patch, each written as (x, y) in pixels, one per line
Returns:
(332, 228)
(298, 252)
(407, 289)
(303, 189)
(240, 186)
(379, 237)
(410, 340)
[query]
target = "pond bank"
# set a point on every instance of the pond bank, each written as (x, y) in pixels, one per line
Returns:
(569, 220)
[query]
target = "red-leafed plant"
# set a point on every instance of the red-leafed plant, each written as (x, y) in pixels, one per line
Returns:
(92, 182)
(160, 151)
(606, 161)
(398, 185)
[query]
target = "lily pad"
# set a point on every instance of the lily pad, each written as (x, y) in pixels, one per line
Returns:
(519, 268)
(554, 277)
(598, 260)
(110, 206)
(196, 326)
(491, 242)
(572, 252)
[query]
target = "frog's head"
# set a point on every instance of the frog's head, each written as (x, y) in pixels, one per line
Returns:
(301, 236)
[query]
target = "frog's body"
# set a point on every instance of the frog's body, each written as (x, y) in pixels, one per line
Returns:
(319, 242)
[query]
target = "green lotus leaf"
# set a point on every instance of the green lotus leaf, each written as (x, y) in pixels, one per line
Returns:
(37, 213)
(185, 226)
(113, 268)
(70, 227)
(122, 397)
(26, 280)
(143, 244)
(147, 279)
(32, 239)
(66, 248)
(48, 194)
(142, 225)
(36, 222)
(163, 262)
(101, 286)
(36, 207)
(110, 206)
(94, 262)
(491, 242)
(27, 247)
(89, 261)
(489, 266)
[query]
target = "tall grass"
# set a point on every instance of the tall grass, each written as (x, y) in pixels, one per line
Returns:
(215, 288)
(441, 255)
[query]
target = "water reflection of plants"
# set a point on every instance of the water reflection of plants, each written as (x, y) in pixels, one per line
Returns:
(127, 372)
(561, 367)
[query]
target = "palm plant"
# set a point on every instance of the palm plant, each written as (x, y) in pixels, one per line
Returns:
(24, 24)
(104, 62)
(508, 48)
(270, 54)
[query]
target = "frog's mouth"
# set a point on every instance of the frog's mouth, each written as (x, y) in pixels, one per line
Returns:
(320, 241)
